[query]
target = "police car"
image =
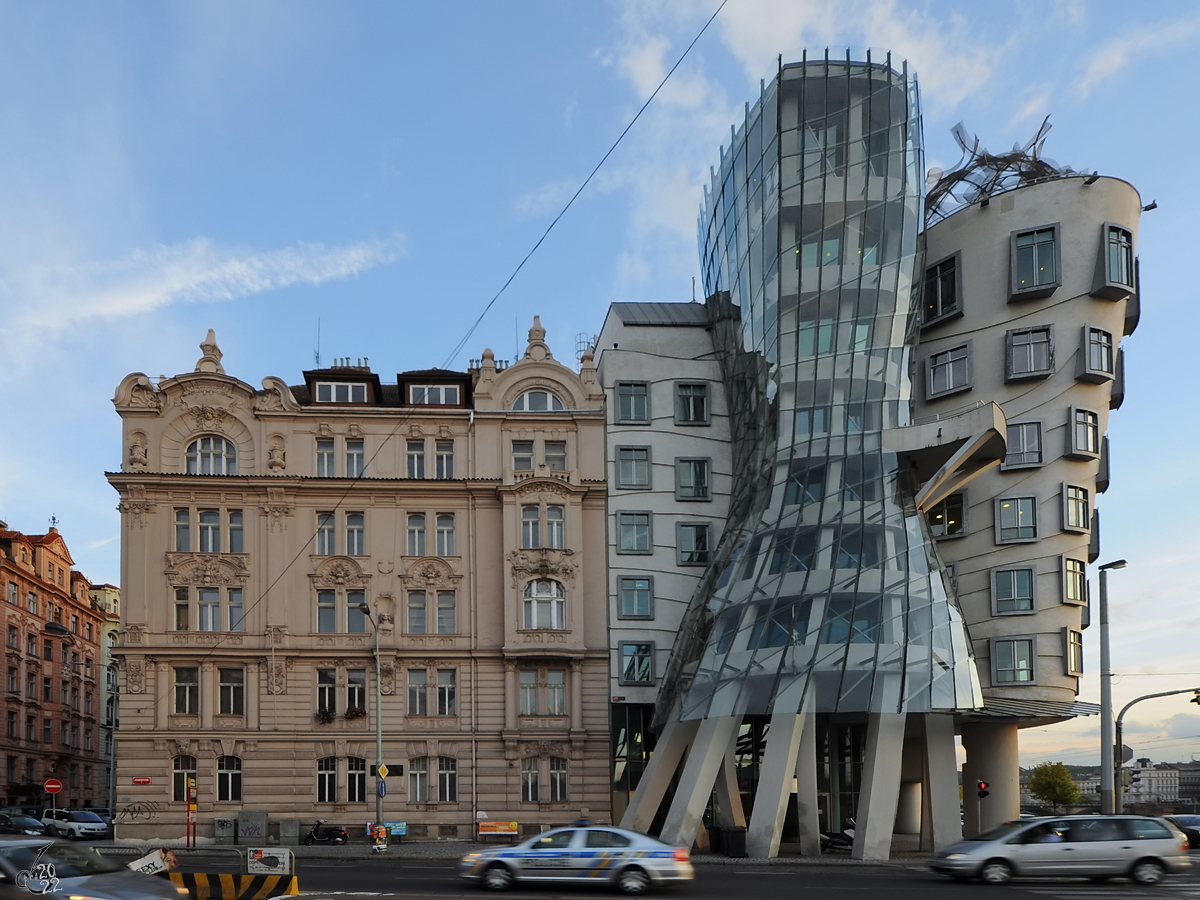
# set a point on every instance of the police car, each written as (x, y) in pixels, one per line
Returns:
(594, 854)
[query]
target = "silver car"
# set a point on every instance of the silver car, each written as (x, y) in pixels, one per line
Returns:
(1097, 847)
(59, 869)
(594, 853)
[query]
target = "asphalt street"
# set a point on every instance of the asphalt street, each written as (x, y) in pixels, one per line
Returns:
(436, 878)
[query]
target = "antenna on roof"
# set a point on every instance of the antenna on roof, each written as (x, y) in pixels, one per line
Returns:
(693, 288)
(317, 352)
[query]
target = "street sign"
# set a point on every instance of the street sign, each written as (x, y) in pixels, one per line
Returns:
(382, 788)
(1126, 753)
(52, 786)
(141, 780)
(383, 771)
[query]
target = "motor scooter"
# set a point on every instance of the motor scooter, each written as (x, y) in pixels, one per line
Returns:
(333, 834)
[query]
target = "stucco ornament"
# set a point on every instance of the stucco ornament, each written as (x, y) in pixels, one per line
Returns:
(137, 453)
(276, 457)
(211, 360)
(208, 418)
(387, 678)
(542, 748)
(430, 573)
(529, 564)
(206, 568)
(135, 676)
(136, 505)
(276, 508)
(339, 572)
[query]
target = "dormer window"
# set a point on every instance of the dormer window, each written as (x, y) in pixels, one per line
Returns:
(538, 401)
(433, 394)
(341, 392)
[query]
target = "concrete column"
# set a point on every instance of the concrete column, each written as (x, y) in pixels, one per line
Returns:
(252, 689)
(876, 813)
(941, 786)
(912, 779)
(163, 692)
(699, 776)
(775, 776)
(991, 757)
(729, 796)
(208, 695)
(576, 695)
(510, 696)
(652, 787)
(806, 790)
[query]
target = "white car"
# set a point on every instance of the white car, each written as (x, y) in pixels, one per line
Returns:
(587, 853)
(73, 823)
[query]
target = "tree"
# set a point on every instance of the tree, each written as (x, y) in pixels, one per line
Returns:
(1052, 783)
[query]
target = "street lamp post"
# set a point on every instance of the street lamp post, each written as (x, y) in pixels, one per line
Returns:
(366, 610)
(1108, 754)
(1121, 718)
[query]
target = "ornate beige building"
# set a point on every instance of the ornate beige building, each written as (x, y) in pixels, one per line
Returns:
(466, 510)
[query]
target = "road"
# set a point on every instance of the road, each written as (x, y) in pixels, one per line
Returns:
(436, 878)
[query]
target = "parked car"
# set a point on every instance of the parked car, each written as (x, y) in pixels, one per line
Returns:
(18, 824)
(74, 823)
(57, 869)
(630, 861)
(34, 812)
(1190, 826)
(1098, 847)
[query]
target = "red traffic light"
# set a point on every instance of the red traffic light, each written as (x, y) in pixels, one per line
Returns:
(982, 789)
(983, 785)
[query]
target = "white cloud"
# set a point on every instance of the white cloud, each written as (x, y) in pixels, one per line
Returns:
(1115, 55)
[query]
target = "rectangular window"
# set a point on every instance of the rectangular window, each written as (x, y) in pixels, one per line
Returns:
(556, 532)
(326, 545)
(633, 532)
(232, 691)
(522, 456)
(447, 779)
(1077, 508)
(326, 612)
(325, 453)
(1024, 445)
(691, 403)
(31, 687)
(210, 530)
(416, 535)
(862, 478)
(1016, 519)
(637, 663)
(1084, 434)
(1012, 661)
(794, 551)
(209, 606)
(433, 394)
(529, 780)
(13, 636)
(31, 729)
(416, 612)
(31, 645)
(1035, 262)
(183, 532)
(237, 540)
(31, 603)
(355, 458)
(327, 690)
(556, 692)
(446, 618)
(444, 460)
(633, 467)
(12, 680)
(418, 698)
(694, 546)
(445, 534)
(12, 593)
(633, 402)
(948, 518)
(327, 780)
(1075, 584)
(1097, 356)
(531, 519)
(1030, 352)
(418, 780)
(635, 596)
(47, 690)
(447, 692)
(941, 290)
(237, 621)
(556, 455)
(332, 392)
(356, 534)
(47, 731)
(949, 371)
(529, 692)
(1074, 652)
(545, 606)
(187, 691)
(805, 484)
(692, 481)
(416, 459)
(356, 619)
(1120, 256)
(1013, 590)
(356, 689)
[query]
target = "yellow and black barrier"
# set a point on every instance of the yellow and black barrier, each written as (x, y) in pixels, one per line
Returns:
(203, 886)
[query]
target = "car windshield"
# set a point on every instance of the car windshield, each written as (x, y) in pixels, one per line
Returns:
(68, 861)
(1189, 821)
(1000, 831)
(82, 815)
(25, 822)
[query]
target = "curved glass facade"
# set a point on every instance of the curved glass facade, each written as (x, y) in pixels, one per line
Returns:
(826, 594)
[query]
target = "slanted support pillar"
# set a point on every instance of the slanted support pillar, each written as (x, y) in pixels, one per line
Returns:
(806, 789)
(729, 796)
(941, 767)
(775, 784)
(697, 780)
(876, 813)
(991, 757)
(652, 787)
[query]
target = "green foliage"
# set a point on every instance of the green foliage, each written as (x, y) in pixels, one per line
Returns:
(1052, 783)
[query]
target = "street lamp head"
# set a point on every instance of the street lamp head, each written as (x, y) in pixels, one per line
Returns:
(362, 607)
(1115, 564)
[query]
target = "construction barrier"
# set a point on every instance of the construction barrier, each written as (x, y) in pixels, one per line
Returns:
(235, 887)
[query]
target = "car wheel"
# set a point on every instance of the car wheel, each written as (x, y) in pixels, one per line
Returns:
(52, 830)
(996, 871)
(1147, 871)
(633, 881)
(497, 877)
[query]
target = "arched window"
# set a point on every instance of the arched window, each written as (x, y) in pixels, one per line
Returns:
(182, 768)
(538, 401)
(545, 605)
(327, 780)
(210, 455)
(229, 778)
(356, 779)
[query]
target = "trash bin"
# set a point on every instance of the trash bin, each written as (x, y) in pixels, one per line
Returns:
(733, 840)
(225, 830)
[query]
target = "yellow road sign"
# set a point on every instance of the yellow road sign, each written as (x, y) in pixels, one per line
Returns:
(383, 771)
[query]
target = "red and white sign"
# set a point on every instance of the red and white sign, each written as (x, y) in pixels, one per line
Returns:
(142, 780)
(52, 786)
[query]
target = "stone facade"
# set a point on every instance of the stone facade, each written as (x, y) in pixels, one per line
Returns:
(466, 510)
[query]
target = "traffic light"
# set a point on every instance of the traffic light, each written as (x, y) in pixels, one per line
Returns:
(1135, 775)
(981, 789)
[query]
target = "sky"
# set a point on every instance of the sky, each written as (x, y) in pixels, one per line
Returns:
(373, 173)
